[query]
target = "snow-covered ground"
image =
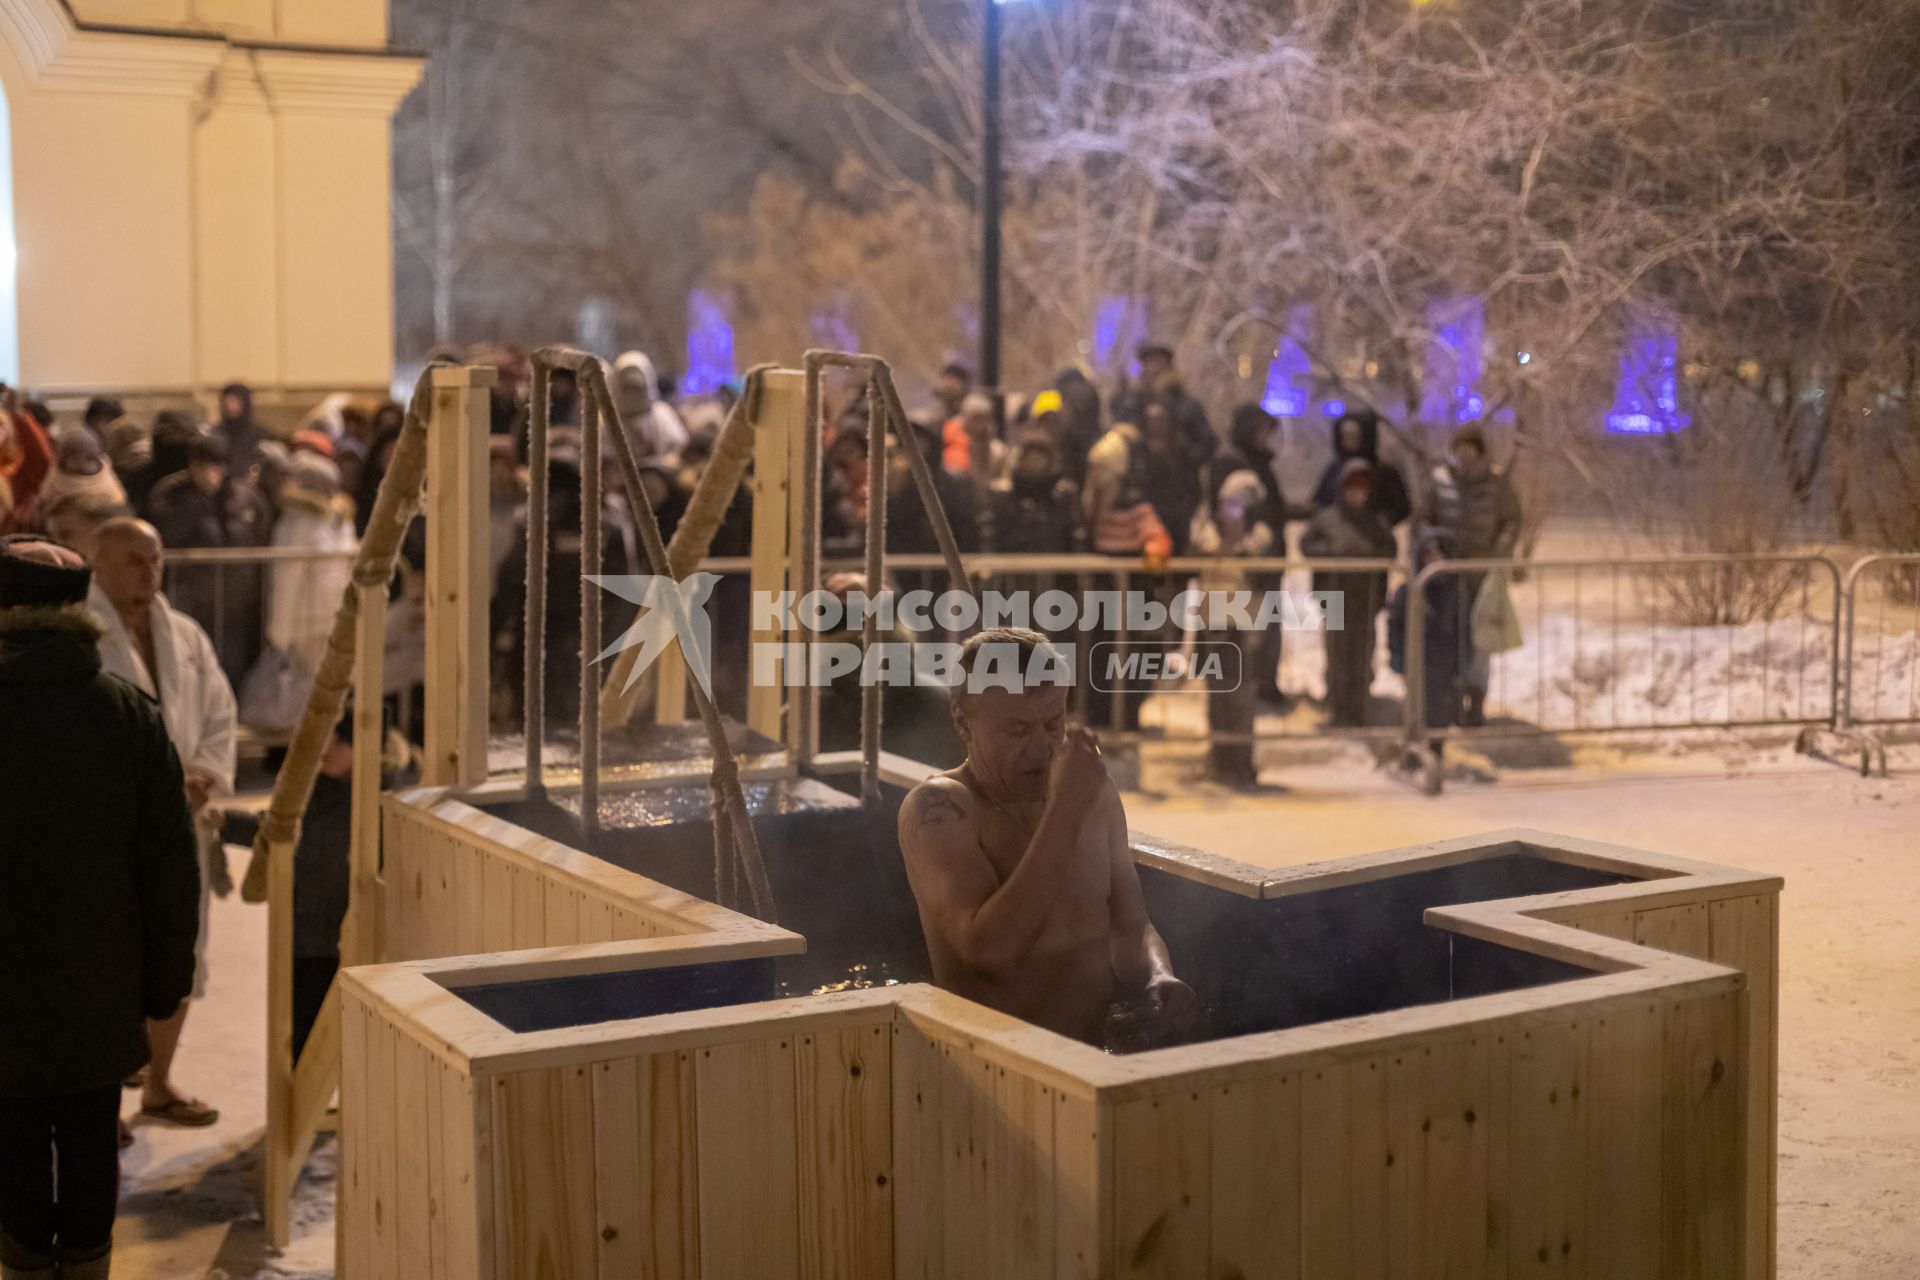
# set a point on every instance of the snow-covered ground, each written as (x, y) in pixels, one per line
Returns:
(1850, 981)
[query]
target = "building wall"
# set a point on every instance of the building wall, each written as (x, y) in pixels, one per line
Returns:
(204, 204)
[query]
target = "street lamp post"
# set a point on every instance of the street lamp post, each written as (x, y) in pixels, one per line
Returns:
(990, 204)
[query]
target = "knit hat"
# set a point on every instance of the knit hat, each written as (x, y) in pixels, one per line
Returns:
(27, 582)
(1046, 402)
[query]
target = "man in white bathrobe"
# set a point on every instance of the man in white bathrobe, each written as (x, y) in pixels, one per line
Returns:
(166, 655)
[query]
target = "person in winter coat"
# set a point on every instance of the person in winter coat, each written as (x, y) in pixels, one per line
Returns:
(304, 595)
(168, 657)
(1236, 526)
(26, 459)
(81, 473)
(209, 505)
(98, 905)
(322, 875)
(1080, 423)
(1249, 449)
(1120, 520)
(1356, 434)
(1033, 509)
(1351, 530)
(1474, 502)
(130, 451)
(236, 428)
(173, 436)
(1160, 380)
(1171, 478)
(653, 424)
(82, 493)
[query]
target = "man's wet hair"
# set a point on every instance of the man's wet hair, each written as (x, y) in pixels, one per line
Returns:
(1024, 641)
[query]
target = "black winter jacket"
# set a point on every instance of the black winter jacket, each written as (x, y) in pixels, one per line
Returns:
(99, 885)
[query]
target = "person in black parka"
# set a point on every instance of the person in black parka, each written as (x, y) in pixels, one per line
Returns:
(99, 909)
(1356, 434)
(1351, 529)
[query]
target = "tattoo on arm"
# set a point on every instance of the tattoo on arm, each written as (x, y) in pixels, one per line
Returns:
(932, 806)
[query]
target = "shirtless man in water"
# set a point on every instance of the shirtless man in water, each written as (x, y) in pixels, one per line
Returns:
(1020, 866)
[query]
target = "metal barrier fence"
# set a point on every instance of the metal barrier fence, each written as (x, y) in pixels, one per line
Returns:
(1882, 662)
(1627, 645)
(1621, 645)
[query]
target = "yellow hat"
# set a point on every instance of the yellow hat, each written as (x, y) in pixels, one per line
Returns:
(1047, 402)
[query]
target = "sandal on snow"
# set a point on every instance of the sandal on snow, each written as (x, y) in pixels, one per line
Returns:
(188, 1113)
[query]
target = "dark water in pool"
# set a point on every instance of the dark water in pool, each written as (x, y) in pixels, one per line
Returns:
(838, 880)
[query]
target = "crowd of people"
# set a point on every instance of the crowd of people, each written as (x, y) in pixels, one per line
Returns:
(1137, 472)
(228, 483)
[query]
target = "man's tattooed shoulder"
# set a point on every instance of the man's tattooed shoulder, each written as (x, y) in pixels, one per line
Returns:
(932, 805)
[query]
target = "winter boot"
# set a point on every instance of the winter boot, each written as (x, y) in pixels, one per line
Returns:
(1474, 714)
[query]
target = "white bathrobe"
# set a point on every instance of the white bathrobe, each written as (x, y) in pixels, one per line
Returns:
(195, 698)
(197, 703)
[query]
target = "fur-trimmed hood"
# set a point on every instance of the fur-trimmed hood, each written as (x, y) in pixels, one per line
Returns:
(44, 644)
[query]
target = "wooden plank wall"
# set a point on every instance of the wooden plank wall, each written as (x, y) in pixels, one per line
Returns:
(451, 894)
(1001, 1175)
(1539, 1146)
(1742, 933)
(412, 1143)
(751, 1159)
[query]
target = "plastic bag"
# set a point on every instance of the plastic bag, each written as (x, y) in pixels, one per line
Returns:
(1496, 627)
(274, 693)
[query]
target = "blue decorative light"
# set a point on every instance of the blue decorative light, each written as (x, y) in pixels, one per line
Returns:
(1289, 387)
(1450, 392)
(1119, 326)
(1647, 398)
(1333, 408)
(709, 345)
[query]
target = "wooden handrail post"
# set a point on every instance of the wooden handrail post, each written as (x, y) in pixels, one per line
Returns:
(278, 1167)
(362, 935)
(458, 589)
